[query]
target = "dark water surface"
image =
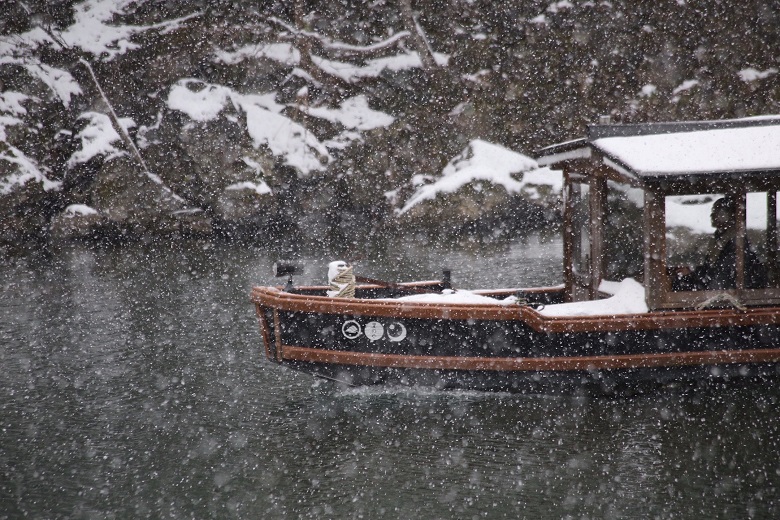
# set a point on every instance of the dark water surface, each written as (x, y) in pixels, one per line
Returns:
(132, 386)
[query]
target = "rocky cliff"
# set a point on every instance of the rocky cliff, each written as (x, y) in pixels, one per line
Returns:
(125, 120)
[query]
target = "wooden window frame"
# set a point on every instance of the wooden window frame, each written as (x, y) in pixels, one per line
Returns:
(657, 281)
(575, 290)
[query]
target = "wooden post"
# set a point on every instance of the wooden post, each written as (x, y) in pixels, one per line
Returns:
(598, 198)
(568, 234)
(656, 278)
(740, 241)
(771, 237)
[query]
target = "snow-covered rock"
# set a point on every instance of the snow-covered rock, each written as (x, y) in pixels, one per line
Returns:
(487, 185)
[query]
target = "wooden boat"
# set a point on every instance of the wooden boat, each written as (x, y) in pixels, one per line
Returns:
(628, 191)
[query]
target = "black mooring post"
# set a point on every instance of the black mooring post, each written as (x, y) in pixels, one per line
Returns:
(446, 279)
(288, 268)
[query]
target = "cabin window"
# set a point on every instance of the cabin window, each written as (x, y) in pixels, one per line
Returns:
(721, 242)
(581, 245)
(772, 257)
(761, 227)
(623, 238)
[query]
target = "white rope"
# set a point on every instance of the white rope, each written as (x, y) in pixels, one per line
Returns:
(342, 284)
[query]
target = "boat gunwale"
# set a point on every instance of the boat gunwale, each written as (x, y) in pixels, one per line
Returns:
(276, 298)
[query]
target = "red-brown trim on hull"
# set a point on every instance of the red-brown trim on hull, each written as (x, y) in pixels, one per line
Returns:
(276, 299)
(278, 335)
(540, 364)
(264, 331)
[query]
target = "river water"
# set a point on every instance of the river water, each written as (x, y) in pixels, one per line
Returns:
(133, 386)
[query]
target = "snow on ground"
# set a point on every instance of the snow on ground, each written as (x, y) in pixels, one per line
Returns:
(203, 102)
(22, 45)
(260, 188)
(266, 125)
(685, 85)
(353, 113)
(12, 103)
(373, 68)
(26, 168)
(751, 74)
(283, 53)
(491, 163)
(60, 82)
(94, 33)
(98, 138)
(79, 209)
(199, 100)
(27, 171)
(286, 54)
(91, 31)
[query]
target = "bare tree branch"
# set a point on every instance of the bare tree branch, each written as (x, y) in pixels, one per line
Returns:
(344, 48)
(132, 148)
(120, 130)
(418, 38)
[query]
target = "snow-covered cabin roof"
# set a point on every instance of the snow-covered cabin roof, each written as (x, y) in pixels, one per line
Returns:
(673, 150)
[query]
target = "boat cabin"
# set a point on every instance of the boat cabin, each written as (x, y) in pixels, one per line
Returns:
(689, 209)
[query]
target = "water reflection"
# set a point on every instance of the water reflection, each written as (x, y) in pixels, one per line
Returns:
(133, 386)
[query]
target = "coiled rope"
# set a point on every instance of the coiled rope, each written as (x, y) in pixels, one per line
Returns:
(343, 284)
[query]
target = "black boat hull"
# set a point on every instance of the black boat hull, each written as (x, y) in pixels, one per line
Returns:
(510, 348)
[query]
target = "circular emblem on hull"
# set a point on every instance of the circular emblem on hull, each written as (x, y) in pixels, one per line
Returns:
(396, 332)
(374, 330)
(351, 329)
